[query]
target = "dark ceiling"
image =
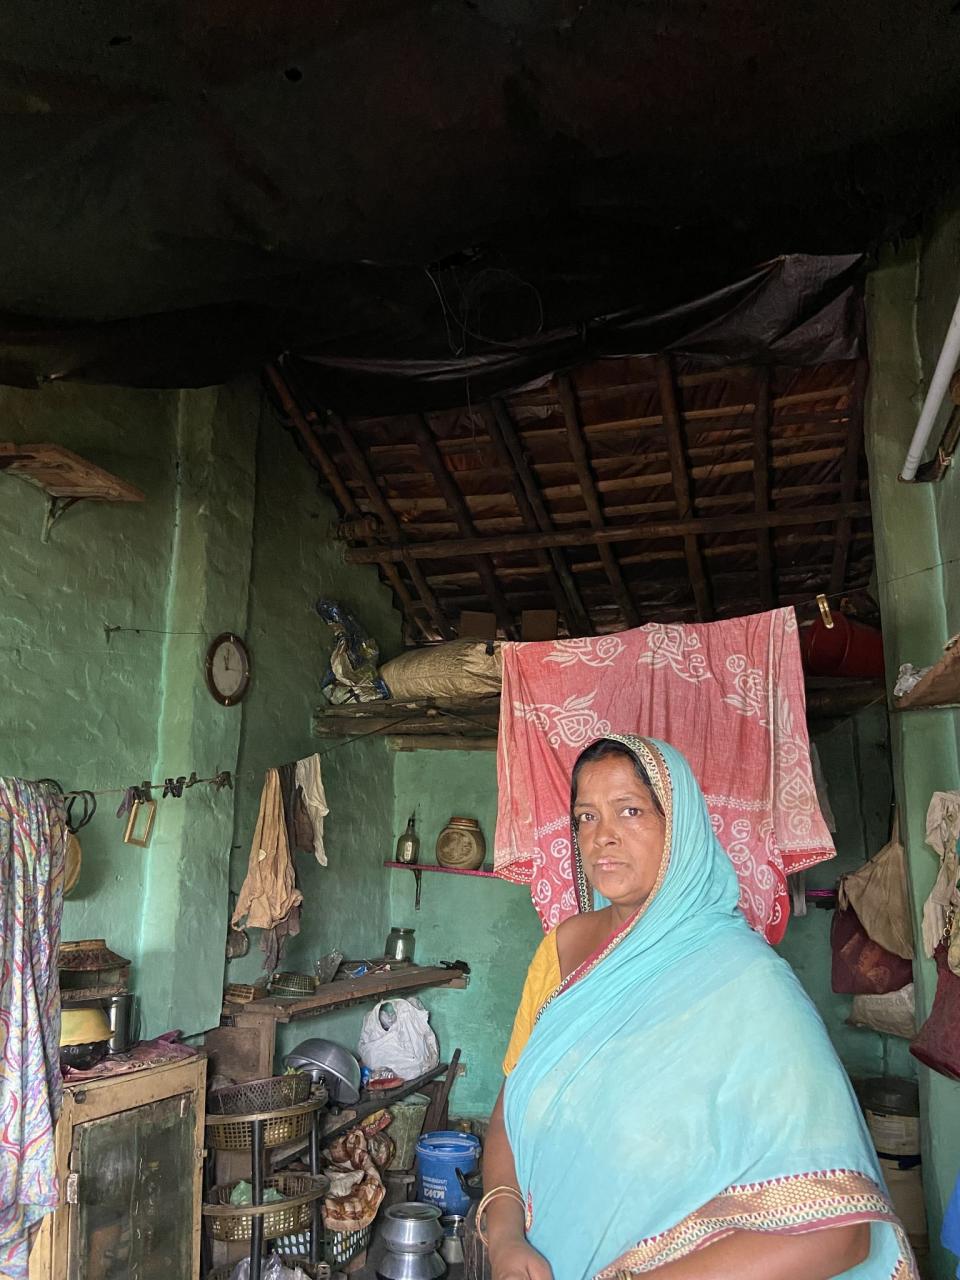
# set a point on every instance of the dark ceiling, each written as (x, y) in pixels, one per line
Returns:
(432, 178)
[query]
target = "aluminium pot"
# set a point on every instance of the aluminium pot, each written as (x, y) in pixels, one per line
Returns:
(411, 1227)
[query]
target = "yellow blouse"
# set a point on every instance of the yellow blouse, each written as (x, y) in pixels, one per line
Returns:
(543, 978)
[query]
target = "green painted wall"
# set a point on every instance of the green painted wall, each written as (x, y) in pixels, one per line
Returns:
(490, 924)
(910, 298)
(233, 536)
(294, 561)
(74, 707)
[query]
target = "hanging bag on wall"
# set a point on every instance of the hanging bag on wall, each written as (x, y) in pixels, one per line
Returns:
(938, 1043)
(396, 1036)
(860, 966)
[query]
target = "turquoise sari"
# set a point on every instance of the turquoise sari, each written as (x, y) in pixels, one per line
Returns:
(680, 1085)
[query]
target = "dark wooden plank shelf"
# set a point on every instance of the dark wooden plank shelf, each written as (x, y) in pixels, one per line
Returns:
(338, 995)
(940, 687)
(446, 871)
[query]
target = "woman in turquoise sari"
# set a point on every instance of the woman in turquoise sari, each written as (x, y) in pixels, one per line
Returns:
(676, 1107)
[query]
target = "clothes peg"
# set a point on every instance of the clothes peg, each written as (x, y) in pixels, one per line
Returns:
(823, 604)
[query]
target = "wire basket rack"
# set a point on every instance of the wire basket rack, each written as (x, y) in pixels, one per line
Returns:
(257, 1096)
(315, 1270)
(338, 1247)
(280, 1217)
(235, 1132)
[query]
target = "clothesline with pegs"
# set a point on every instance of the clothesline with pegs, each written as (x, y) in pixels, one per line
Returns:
(169, 787)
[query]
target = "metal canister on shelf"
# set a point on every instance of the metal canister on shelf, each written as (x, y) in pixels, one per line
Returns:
(400, 946)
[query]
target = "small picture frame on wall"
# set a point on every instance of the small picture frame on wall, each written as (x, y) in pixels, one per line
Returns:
(140, 823)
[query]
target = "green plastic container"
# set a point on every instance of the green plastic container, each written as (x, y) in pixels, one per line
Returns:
(408, 1117)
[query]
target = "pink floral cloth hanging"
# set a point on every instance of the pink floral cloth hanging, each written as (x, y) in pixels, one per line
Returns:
(729, 695)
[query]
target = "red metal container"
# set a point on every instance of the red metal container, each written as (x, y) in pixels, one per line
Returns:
(847, 648)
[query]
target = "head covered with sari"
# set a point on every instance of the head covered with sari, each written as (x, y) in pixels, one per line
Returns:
(680, 1085)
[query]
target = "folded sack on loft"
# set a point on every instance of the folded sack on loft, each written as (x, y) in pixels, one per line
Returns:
(269, 898)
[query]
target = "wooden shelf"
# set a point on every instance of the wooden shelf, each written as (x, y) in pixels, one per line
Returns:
(338, 995)
(940, 687)
(476, 719)
(471, 724)
(446, 871)
(64, 477)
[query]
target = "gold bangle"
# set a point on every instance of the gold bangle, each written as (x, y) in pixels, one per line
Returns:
(492, 1195)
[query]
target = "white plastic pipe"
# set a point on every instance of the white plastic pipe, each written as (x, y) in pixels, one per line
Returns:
(949, 357)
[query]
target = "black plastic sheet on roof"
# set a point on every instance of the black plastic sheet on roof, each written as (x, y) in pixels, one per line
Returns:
(797, 310)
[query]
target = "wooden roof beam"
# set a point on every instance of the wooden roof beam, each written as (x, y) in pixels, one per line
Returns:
(761, 487)
(494, 544)
(670, 407)
(848, 481)
(361, 469)
(455, 500)
(581, 461)
(533, 509)
(341, 493)
(544, 560)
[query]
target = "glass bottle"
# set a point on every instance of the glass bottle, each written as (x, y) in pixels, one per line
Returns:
(408, 846)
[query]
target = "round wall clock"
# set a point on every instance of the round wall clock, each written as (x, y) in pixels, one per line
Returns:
(228, 668)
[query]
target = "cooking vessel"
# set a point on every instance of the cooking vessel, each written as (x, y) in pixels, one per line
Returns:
(411, 1227)
(471, 1184)
(451, 1246)
(410, 1266)
(330, 1062)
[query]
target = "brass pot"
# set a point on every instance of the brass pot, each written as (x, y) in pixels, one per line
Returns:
(460, 845)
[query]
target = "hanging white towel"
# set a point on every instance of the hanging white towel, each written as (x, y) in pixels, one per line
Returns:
(311, 784)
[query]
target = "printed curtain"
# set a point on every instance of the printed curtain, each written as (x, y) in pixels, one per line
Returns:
(32, 846)
(729, 695)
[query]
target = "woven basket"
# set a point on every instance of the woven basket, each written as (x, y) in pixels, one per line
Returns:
(282, 1217)
(256, 1096)
(293, 985)
(235, 1133)
(339, 1247)
(244, 992)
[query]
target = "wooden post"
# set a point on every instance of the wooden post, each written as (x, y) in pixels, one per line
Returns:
(455, 500)
(581, 461)
(761, 487)
(673, 427)
(848, 480)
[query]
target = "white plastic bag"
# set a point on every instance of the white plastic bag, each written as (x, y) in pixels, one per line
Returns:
(402, 1043)
(892, 1014)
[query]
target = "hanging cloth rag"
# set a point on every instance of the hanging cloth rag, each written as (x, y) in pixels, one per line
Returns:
(943, 831)
(33, 840)
(269, 898)
(729, 695)
(311, 785)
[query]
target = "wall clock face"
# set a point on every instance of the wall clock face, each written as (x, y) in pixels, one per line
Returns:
(228, 668)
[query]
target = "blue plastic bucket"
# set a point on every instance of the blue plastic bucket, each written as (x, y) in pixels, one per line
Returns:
(439, 1156)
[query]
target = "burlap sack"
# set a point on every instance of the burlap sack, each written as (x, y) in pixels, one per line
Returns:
(878, 894)
(456, 669)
